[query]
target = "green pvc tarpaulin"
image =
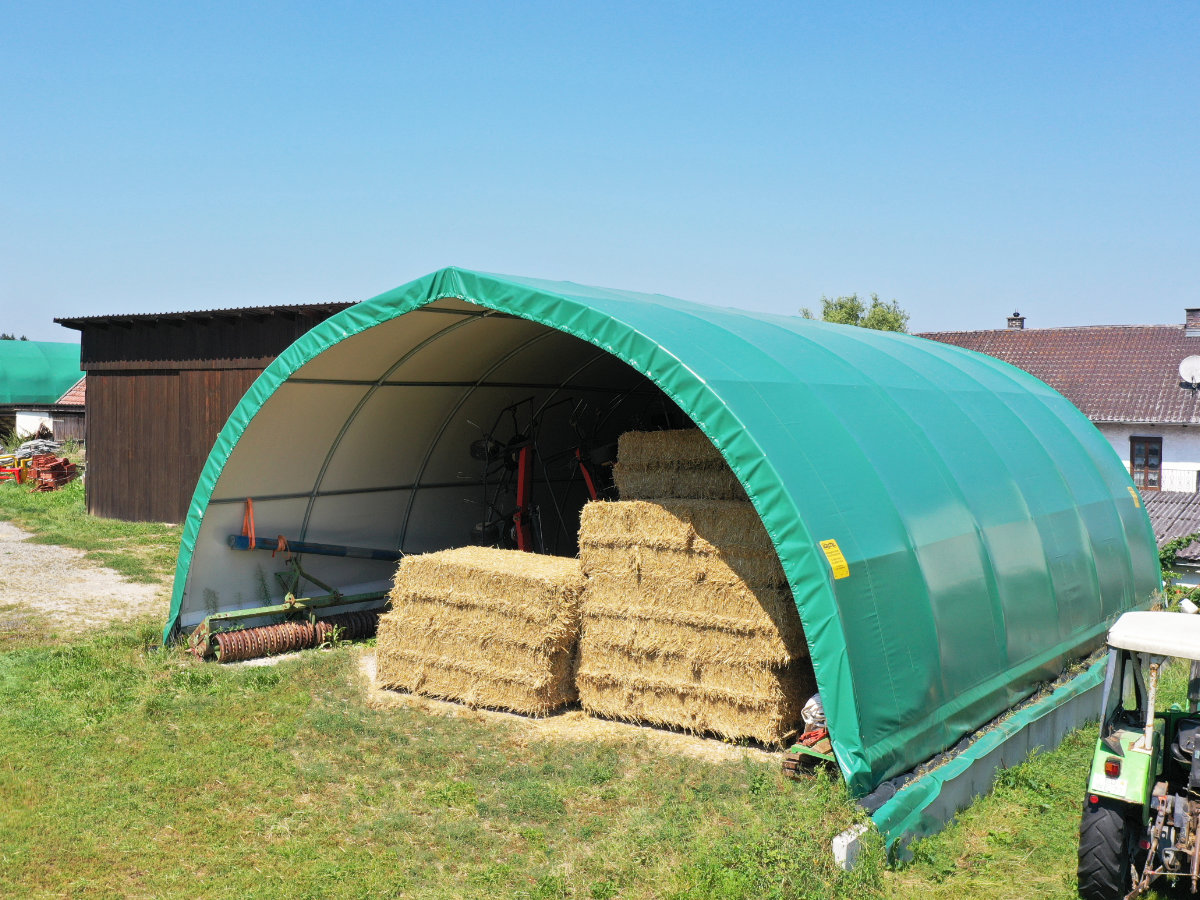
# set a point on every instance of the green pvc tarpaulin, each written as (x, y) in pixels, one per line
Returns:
(953, 530)
(37, 372)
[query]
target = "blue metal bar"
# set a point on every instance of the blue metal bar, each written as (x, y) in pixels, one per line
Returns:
(242, 542)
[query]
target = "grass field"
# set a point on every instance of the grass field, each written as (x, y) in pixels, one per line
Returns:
(130, 770)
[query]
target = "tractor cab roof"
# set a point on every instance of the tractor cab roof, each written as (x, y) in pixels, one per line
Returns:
(1157, 633)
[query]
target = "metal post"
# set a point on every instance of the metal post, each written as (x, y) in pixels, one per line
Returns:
(1147, 741)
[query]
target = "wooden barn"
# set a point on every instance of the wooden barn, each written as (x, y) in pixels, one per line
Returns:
(159, 388)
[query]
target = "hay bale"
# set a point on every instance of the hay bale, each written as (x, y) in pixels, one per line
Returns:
(688, 620)
(680, 448)
(733, 702)
(651, 483)
(485, 627)
(682, 464)
(759, 570)
(693, 526)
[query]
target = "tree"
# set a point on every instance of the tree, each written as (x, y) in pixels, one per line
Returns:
(12, 337)
(852, 311)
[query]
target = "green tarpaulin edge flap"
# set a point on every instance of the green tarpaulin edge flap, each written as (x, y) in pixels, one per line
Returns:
(905, 817)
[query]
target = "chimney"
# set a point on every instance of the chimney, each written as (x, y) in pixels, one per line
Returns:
(1016, 322)
(1191, 322)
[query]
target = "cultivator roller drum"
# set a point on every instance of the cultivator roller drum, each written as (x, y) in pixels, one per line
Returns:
(270, 640)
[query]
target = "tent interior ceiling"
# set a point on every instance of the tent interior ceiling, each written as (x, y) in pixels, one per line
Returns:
(378, 433)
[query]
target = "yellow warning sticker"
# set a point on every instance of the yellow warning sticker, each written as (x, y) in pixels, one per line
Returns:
(837, 562)
(1134, 494)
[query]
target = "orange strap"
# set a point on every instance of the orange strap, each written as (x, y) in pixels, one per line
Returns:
(281, 546)
(248, 522)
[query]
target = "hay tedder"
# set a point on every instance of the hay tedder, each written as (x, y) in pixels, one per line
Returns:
(297, 622)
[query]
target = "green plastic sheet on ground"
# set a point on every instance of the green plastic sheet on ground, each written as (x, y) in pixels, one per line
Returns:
(984, 531)
(37, 372)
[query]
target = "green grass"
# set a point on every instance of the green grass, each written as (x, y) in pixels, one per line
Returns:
(140, 551)
(127, 770)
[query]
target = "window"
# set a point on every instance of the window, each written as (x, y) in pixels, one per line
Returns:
(1145, 462)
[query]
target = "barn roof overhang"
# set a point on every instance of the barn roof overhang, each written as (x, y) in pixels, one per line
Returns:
(80, 323)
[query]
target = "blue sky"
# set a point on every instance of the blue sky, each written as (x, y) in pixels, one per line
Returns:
(967, 159)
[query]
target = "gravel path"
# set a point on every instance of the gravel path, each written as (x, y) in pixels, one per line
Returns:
(57, 584)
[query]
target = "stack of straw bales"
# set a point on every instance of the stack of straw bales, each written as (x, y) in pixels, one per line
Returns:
(486, 627)
(683, 464)
(688, 620)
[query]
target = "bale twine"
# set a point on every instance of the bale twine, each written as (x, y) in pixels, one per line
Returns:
(485, 627)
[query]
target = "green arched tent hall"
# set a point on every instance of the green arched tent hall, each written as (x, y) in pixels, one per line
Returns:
(989, 530)
(37, 372)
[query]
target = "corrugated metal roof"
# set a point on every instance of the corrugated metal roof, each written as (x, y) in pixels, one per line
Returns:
(1174, 514)
(78, 322)
(1113, 373)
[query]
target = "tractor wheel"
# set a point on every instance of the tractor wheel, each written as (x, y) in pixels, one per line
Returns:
(1105, 852)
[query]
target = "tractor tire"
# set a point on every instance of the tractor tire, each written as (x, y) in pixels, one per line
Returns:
(1105, 851)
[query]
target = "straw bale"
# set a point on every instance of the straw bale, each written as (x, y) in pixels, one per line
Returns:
(684, 448)
(477, 684)
(688, 620)
(485, 627)
(636, 482)
(680, 637)
(769, 606)
(472, 618)
(704, 674)
(471, 640)
(628, 693)
(693, 526)
(754, 571)
(489, 572)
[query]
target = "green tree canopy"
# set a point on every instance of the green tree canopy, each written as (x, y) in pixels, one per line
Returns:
(852, 310)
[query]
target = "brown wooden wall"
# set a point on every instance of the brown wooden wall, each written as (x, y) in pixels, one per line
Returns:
(159, 389)
(68, 426)
(149, 433)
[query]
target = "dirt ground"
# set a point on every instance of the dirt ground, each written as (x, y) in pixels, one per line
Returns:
(56, 587)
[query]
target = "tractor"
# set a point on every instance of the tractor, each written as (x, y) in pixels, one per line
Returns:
(1141, 813)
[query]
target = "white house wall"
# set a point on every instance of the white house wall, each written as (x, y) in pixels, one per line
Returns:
(28, 423)
(1180, 450)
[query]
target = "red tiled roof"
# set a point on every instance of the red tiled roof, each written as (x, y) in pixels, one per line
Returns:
(76, 396)
(1113, 373)
(1174, 514)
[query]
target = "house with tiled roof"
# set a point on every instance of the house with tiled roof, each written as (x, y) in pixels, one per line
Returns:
(1125, 378)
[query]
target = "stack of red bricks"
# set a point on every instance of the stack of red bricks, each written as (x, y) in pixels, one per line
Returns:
(51, 472)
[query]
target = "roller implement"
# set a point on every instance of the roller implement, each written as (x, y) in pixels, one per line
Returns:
(298, 622)
(1141, 813)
